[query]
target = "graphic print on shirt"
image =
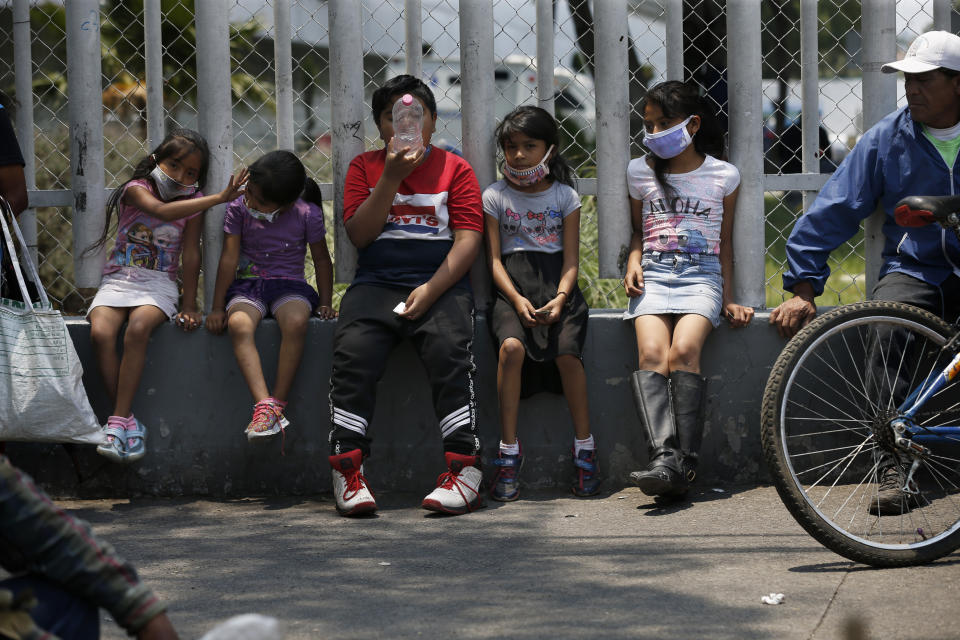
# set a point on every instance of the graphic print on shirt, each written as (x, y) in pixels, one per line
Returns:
(661, 233)
(423, 216)
(665, 229)
(166, 238)
(541, 227)
(140, 250)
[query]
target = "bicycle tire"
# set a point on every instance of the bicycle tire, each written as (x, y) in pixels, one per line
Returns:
(822, 433)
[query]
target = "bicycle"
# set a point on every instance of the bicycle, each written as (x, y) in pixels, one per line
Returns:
(868, 394)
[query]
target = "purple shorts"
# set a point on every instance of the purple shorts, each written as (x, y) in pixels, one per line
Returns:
(270, 293)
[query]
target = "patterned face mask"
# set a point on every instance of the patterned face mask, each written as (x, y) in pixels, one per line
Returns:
(531, 176)
(168, 188)
(670, 143)
(266, 216)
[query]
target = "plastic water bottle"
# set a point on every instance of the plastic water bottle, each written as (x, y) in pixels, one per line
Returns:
(407, 123)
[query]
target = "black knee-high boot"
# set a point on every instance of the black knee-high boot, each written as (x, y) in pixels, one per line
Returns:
(688, 393)
(663, 475)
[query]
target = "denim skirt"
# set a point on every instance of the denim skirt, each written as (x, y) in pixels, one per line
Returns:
(679, 283)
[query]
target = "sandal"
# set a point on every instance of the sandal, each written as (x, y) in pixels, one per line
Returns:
(113, 446)
(136, 438)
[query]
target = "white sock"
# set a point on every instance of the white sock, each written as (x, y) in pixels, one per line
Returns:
(510, 449)
(586, 443)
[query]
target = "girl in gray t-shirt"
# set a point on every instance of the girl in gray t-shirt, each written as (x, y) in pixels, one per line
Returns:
(539, 318)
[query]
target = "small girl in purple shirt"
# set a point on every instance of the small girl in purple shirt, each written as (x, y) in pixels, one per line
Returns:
(267, 232)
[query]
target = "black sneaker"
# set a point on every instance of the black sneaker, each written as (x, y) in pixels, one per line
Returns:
(891, 499)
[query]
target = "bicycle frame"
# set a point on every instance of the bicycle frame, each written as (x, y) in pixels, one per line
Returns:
(918, 397)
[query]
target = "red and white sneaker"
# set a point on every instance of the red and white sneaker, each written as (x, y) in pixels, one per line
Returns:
(458, 490)
(349, 485)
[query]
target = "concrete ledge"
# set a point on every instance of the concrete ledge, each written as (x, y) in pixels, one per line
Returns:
(195, 404)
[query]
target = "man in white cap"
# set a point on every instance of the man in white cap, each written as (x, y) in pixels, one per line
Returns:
(912, 151)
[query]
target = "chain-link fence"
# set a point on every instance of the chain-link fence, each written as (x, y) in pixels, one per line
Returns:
(252, 84)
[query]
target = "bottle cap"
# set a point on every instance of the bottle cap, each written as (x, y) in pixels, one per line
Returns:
(407, 99)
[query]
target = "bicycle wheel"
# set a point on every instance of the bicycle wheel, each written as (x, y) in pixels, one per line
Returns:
(827, 434)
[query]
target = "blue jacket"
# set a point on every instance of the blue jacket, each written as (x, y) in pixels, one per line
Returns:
(891, 161)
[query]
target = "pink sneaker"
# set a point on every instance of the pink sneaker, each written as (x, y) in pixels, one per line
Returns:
(268, 419)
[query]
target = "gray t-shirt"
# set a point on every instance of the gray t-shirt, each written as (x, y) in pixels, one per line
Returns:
(530, 221)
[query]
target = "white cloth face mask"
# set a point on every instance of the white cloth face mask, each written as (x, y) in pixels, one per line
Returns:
(168, 188)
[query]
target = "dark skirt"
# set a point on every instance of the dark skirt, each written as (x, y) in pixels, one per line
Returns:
(536, 276)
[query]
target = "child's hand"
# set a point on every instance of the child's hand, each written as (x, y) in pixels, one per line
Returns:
(738, 315)
(418, 302)
(526, 311)
(188, 320)
(326, 312)
(633, 281)
(400, 162)
(217, 321)
(234, 186)
(550, 312)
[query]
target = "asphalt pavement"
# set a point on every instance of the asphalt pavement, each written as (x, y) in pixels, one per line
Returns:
(547, 566)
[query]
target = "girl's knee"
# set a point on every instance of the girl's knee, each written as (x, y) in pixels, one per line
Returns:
(294, 325)
(653, 355)
(684, 356)
(101, 334)
(512, 351)
(240, 324)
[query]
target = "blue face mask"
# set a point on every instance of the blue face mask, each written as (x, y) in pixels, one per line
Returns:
(670, 143)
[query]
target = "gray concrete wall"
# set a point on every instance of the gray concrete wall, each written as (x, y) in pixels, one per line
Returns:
(196, 405)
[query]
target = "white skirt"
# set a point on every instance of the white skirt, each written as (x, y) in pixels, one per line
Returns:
(135, 287)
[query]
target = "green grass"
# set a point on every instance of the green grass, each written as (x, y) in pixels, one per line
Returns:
(846, 282)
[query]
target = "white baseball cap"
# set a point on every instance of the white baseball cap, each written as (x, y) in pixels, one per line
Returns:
(931, 50)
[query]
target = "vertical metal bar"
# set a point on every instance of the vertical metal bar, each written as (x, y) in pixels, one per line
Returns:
(283, 65)
(215, 122)
(809, 93)
(22, 65)
(878, 20)
(86, 137)
(414, 37)
(479, 148)
(746, 149)
(613, 135)
(674, 19)
(942, 9)
(545, 63)
(153, 45)
(346, 97)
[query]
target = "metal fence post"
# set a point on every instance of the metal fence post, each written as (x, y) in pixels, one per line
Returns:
(153, 50)
(673, 13)
(941, 15)
(283, 63)
(809, 93)
(412, 16)
(613, 136)
(215, 122)
(22, 63)
(346, 97)
(746, 149)
(545, 62)
(479, 147)
(86, 138)
(879, 19)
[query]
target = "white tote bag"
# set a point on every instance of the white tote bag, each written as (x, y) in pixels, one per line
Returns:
(42, 398)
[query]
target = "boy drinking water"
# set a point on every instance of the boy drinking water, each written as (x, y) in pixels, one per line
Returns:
(416, 218)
